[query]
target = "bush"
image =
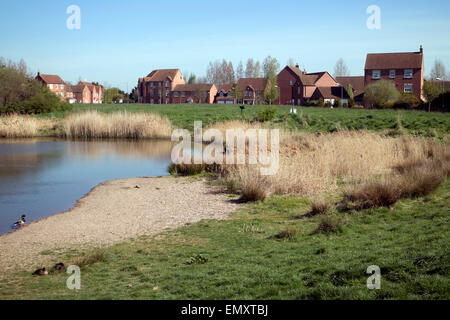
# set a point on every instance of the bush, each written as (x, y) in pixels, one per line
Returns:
(337, 103)
(328, 104)
(287, 234)
(329, 225)
(43, 102)
(267, 114)
(319, 206)
(407, 101)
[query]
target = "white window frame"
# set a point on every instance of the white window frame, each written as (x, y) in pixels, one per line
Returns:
(407, 91)
(167, 84)
(62, 87)
(390, 74)
(408, 74)
(50, 86)
(175, 94)
(374, 72)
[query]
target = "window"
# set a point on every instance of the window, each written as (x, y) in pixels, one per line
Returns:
(183, 94)
(392, 74)
(56, 86)
(408, 88)
(62, 94)
(175, 94)
(159, 84)
(62, 86)
(167, 93)
(50, 86)
(376, 74)
(291, 82)
(151, 84)
(152, 93)
(408, 73)
(167, 84)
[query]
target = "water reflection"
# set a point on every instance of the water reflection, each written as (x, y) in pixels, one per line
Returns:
(40, 177)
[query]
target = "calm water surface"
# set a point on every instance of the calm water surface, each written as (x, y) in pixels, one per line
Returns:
(41, 177)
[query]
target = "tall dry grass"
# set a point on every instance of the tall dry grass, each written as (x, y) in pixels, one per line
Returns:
(95, 125)
(23, 126)
(312, 164)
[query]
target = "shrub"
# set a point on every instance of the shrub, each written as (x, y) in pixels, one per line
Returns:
(329, 225)
(287, 234)
(90, 258)
(372, 195)
(319, 206)
(328, 104)
(337, 103)
(379, 94)
(186, 169)
(267, 114)
(407, 101)
(321, 102)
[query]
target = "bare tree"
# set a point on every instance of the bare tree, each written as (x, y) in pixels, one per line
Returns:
(257, 70)
(270, 66)
(240, 71)
(438, 70)
(341, 69)
(250, 68)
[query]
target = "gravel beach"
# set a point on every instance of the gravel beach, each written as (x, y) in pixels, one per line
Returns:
(113, 212)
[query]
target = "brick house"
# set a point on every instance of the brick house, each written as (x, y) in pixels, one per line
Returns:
(157, 86)
(252, 90)
(224, 95)
(193, 93)
(405, 69)
(358, 87)
(298, 86)
(85, 92)
(54, 83)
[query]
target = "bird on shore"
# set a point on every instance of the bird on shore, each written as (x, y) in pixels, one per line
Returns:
(59, 266)
(21, 222)
(40, 272)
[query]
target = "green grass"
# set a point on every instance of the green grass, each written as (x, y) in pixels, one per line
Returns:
(246, 258)
(307, 119)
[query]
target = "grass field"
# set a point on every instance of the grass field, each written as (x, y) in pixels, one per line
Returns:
(307, 119)
(269, 251)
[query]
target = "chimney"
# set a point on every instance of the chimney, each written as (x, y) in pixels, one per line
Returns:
(304, 71)
(297, 66)
(421, 49)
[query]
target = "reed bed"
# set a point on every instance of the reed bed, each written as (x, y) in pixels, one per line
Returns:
(23, 126)
(96, 125)
(312, 164)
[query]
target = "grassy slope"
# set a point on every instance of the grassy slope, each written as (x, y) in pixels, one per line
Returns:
(309, 119)
(244, 261)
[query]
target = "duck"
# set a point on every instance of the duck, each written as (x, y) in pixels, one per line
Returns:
(59, 266)
(21, 222)
(40, 272)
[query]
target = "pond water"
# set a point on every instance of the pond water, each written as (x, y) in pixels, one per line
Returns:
(41, 177)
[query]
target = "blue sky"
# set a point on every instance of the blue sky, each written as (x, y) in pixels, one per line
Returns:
(120, 41)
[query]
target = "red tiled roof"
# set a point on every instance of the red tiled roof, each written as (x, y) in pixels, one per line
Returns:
(257, 84)
(357, 83)
(161, 75)
(331, 92)
(308, 79)
(225, 87)
(193, 87)
(50, 78)
(401, 60)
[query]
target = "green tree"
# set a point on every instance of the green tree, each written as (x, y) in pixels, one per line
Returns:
(271, 90)
(381, 93)
(237, 92)
(430, 91)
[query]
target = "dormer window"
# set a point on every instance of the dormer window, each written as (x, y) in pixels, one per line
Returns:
(167, 84)
(392, 74)
(376, 74)
(408, 73)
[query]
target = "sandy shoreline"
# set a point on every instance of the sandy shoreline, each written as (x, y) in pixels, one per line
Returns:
(112, 212)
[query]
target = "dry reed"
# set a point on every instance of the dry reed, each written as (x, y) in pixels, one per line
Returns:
(95, 125)
(23, 126)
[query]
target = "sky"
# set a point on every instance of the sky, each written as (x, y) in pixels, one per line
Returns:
(120, 41)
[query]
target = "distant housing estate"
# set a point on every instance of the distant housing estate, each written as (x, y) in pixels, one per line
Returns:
(83, 92)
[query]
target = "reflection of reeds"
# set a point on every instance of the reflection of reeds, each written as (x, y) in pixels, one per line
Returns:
(23, 126)
(95, 125)
(143, 148)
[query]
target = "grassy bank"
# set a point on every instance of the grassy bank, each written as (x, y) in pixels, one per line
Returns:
(307, 119)
(270, 250)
